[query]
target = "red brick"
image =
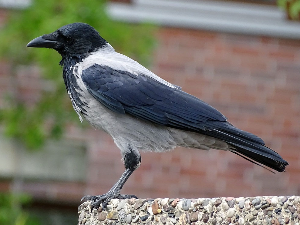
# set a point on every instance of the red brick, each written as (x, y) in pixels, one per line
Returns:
(294, 179)
(200, 89)
(197, 192)
(220, 49)
(254, 63)
(293, 79)
(198, 82)
(265, 41)
(192, 171)
(217, 61)
(263, 121)
(235, 174)
(257, 129)
(219, 95)
(291, 155)
(237, 188)
(282, 54)
(286, 133)
(290, 123)
(246, 50)
(160, 180)
(202, 35)
(243, 97)
(171, 67)
(289, 42)
(288, 67)
(236, 119)
(283, 101)
(241, 40)
(226, 72)
(247, 109)
(263, 76)
(237, 166)
(170, 33)
(192, 44)
(284, 92)
(274, 188)
(278, 109)
(233, 85)
(196, 182)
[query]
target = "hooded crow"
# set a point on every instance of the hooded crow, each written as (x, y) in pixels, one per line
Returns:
(141, 111)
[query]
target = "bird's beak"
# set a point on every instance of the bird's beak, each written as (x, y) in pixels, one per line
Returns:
(41, 42)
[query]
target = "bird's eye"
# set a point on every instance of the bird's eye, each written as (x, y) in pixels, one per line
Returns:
(69, 40)
(65, 38)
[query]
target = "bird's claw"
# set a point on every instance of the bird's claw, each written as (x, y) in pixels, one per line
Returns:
(104, 199)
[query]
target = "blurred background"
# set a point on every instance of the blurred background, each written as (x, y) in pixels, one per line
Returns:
(242, 57)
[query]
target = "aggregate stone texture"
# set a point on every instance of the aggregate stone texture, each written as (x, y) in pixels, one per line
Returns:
(266, 210)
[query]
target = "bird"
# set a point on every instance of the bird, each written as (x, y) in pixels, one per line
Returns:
(140, 110)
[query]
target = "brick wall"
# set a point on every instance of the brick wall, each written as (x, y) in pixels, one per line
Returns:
(254, 81)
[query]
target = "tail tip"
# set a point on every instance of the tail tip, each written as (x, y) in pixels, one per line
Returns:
(282, 166)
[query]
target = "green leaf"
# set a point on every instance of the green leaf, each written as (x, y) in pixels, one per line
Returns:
(48, 116)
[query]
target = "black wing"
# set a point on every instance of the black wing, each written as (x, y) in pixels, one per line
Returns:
(148, 99)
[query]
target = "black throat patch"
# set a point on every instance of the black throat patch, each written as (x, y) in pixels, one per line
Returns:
(70, 77)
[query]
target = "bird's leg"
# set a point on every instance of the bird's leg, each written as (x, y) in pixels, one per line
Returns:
(132, 160)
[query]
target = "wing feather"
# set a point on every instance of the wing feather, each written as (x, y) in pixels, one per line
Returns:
(148, 99)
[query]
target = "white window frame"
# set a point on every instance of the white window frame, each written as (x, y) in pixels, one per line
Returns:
(222, 16)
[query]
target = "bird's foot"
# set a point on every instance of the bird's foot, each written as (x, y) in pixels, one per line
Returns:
(113, 193)
(105, 199)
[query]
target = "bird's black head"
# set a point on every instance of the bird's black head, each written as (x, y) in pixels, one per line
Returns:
(76, 39)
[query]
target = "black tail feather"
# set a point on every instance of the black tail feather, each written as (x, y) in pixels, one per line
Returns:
(275, 162)
(248, 146)
(250, 160)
